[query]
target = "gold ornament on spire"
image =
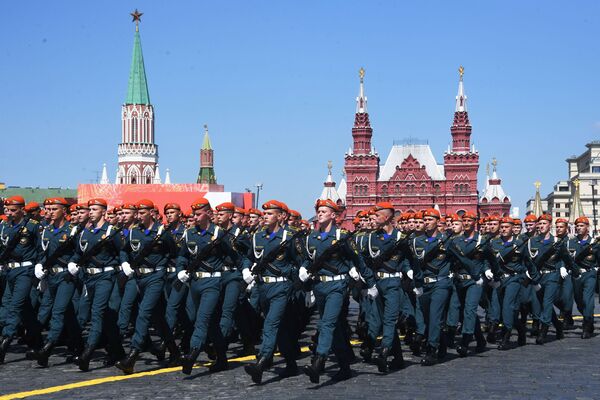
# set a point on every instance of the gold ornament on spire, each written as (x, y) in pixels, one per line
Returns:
(576, 182)
(494, 163)
(137, 18)
(537, 185)
(461, 71)
(329, 166)
(361, 73)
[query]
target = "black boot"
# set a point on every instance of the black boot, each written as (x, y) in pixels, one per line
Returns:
(568, 323)
(188, 360)
(291, 369)
(398, 360)
(315, 369)
(159, 350)
(128, 363)
(366, 352)
(256, 370)
(43, 354)
(174, 354)
(480, 340)
(4, 343)
(522, 334)
(491, 336)
(381, 360)
(343, 374)
(541, 338)
(463, 348)
(505, 341)
(83, 361)
(416, 344)
(558, 326)
(588, 326)
(450, 336)
(430, 357)
(535, 328)
(220, 364)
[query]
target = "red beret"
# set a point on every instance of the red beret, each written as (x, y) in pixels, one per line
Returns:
(14, 201)
(32, 206)
(240, 210)
(272, 205)
(284, 207)
(172, 206)
(356, 221)
(384, 205)
(200, 204)
(327, 203)
(531, 218)
(295, 214)
(97, 202)
(418, 215)
(410, 215)
(227, 207)
(518, 221)
(255, 212)
(431, 212)
(118, 208)
(507, 220)
(561, 221)
(129, 206)
(494, 218)
(470, 215)
(582, 220)
(454, 217)
(545, 217)
(59, 201)
(73, 207)
(145, 204)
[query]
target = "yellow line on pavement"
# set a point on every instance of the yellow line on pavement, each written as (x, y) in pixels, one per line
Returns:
(116, 378)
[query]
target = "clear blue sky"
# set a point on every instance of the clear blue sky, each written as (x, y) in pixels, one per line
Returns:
(276, 82)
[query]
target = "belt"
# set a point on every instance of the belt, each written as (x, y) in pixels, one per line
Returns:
(274, 279)
(584, 270)
(147, 270)
(171, 269)
(227, 269)
(547, 271)
(464, 277)
(385, 275)
(56, 270)
(13, 265)
(508, 275)
(94, 271)
(327, 278)
(437, 279)
(201, 275)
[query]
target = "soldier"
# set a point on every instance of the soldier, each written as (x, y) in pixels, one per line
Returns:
(276, 256)
(98, 253)
(149, 246)
(564, 299)
(331, 255)
(432, 280)
(57, 246)
(294, 219)
(585, 253)
(471, 250)
(517, 227)
(127, 285)
(254, 220)
(19, 237)
(545, 253)
(201, 261)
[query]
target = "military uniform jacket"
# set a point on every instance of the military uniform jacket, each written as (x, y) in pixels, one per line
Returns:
(193, 243)
(538, 247)
(27, 248)
(288, 248)
(112, 253)
(238, 244)
(177, 234)
(163, 246)
(54, 239)
(506, 260)
(431, 257)
(471, 255)
(585, 254)
(379, 243)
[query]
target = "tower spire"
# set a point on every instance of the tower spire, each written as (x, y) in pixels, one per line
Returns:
(537, 203)
(104, 178)
(461, 98)
(576, 210)
(361, 100)
(362, 132)
(137, 89)
(461, 127)
(207, 171)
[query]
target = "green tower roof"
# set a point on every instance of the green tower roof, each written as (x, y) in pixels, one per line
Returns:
(137, 89)
(206, 142)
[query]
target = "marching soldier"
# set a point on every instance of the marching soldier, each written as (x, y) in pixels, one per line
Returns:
(564, 299)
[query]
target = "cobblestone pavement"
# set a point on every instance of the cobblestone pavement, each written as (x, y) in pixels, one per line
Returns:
(559, 369)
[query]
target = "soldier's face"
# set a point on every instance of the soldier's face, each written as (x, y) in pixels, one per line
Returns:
(469, 224)
(145, 216)
(83, 215)
(457, 226)
(97, 213)
(419, 225)
(517, 229)
(506, 230)
(14, 213)
(530, 226)
(272, 217)
(543, 227)
(325, 215)
(223, 218)
(56, 212)
(494, 227)
(128, 216)
(237, 218)
(561, 229)
(430, 223)
(202, 217)
(253, 220)
(582, 229)
(410, 224)
(172, 215)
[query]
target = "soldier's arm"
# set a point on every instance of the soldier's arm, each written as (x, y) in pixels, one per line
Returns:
(183, 258)
(121, 246)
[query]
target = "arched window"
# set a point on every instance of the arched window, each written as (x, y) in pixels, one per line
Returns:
(384, 190)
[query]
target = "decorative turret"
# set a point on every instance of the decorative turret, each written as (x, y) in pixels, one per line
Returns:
(207, 171)
(362, 131)
(329, 190)
(461, 128)
(538, 209)
(576, 210)
(494, 200)
(104, 178)
(138, 155)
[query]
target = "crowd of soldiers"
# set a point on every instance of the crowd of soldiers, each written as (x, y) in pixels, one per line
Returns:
(87, 277)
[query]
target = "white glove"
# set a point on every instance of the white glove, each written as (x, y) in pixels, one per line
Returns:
(410, 274)
(183, 276)
(247, 276)
(527, 273)
(309, 299)
(563, 272)
(372, 292)
(479, 282)
(489, 274)
(1, 268)
(127, 270)
(39, 272)
(250, 286)
(354, 274)
(42, 286)
(495, 284)
(73, 268)
(418, 291)
(537, 287)
(303, 274)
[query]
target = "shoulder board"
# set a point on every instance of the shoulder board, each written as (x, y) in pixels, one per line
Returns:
(34, 222)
